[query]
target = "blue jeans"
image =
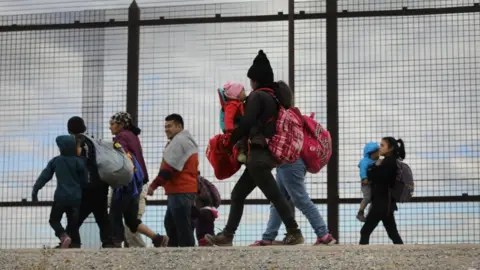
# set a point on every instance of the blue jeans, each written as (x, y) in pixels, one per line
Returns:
(291, 181)
(178, 220)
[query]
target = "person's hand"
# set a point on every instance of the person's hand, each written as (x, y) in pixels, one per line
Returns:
(379, 161)
(150, 191)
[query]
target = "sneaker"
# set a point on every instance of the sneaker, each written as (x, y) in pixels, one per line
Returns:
(65, 241)
(204, 243)
(327, 239)
(293, 237)
(242, 158)
(160, 240)
(361, 216)
(262, 243)
(222, 239)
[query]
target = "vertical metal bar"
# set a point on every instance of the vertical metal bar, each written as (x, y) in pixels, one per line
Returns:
(332, 118)
(291, 46)
(133, 61)
(93, 79)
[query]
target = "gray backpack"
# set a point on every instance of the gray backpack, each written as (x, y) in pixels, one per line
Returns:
(402, 190)
(114, 166)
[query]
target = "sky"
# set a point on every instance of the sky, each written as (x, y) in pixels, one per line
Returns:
(410, 77)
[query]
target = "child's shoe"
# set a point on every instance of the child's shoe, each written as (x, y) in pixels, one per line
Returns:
(204, 243)
(65, 241)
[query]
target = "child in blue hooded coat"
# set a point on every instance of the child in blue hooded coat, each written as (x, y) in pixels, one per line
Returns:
(70, 171)
(370, 156)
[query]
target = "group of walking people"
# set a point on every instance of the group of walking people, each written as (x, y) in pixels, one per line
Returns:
(248, 121)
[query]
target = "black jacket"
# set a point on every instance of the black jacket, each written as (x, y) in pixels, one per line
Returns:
(258, 121)
(383, 179)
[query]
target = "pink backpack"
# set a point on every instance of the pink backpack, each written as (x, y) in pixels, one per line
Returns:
(317, 144)
(287, 142)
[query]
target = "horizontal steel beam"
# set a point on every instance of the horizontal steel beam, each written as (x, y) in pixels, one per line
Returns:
(253, 18)
(429, 199)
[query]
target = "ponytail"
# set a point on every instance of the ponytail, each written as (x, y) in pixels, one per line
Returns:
(135, 130)
(398, 147)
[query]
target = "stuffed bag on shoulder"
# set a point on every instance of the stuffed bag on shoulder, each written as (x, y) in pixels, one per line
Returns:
(402, 190)
(114, 166)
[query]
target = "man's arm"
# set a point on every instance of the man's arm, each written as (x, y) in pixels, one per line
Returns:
(165, 174)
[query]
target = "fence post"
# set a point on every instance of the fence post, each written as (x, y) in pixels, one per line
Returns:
(332, 117)
(133, 60)
(291, 46)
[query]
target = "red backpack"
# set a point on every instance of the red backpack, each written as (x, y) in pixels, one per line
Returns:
(317, 144)
(287, 142)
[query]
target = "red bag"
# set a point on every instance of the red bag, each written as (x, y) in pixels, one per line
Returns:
(224, 164)
(317, 145)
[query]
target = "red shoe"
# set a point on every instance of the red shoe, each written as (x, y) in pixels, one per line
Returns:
(65, 241)
(204, 243)
(325, 240)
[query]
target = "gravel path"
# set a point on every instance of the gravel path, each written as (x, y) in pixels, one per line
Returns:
(423, 257)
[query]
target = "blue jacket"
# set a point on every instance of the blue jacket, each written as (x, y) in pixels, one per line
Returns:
(69, 170)
(366, 162)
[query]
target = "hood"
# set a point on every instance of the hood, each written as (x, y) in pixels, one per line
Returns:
(284, 94)
(370, 148)
(186, 135)
(67, 145)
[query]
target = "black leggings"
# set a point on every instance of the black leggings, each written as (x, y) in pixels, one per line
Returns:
(258, 174)
(372, 222)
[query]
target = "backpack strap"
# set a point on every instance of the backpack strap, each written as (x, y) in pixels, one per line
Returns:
(271, 92)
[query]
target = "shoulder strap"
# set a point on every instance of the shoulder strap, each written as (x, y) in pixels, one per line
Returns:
(221, 96)
(271, 92)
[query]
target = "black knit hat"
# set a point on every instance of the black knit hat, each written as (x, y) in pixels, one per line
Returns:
(76, 125)
(261, 71)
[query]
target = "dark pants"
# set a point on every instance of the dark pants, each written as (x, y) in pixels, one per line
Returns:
(371, 223)
(94, 200)
(125, 207)
(56, 215)
(204, 223)
(178, 220)
(258, 174)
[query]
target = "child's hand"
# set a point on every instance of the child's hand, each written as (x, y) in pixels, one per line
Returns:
(379, 162)
(364, 181)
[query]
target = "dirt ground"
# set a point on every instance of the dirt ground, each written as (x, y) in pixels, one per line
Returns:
(278, 257)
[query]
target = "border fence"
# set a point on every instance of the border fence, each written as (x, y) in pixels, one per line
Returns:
(367, 70)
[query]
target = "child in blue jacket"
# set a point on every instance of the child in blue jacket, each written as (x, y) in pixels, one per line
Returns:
(70, 171)
(370, 156)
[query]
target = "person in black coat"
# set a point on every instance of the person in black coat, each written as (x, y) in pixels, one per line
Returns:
(257, 124)
(383, 175)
